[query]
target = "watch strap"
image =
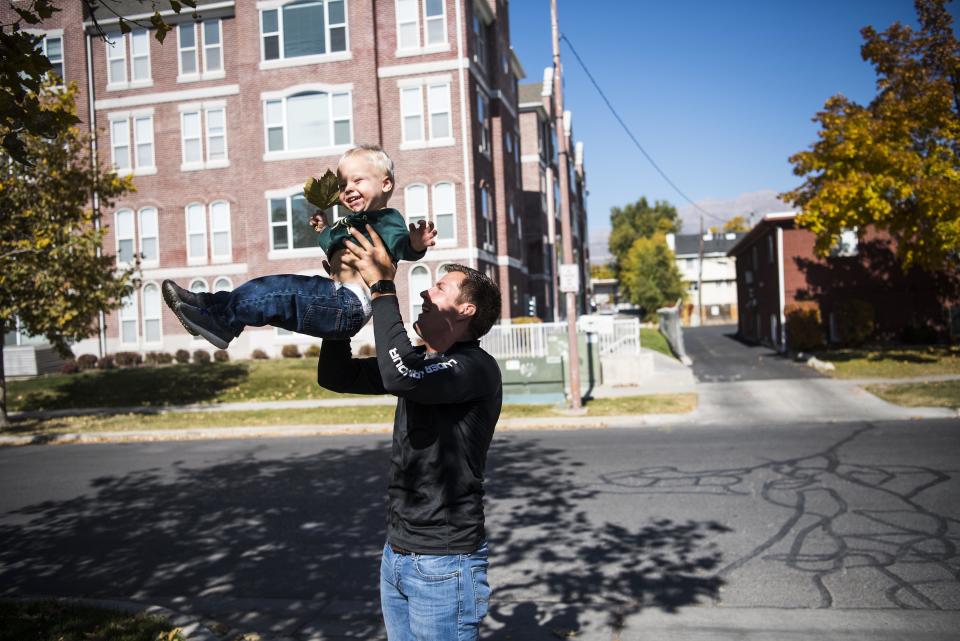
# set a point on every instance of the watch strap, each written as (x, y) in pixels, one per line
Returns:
(383, 287)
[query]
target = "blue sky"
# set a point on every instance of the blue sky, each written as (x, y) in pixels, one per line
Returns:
(719, 93)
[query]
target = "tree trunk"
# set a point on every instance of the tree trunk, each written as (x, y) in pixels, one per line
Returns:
(4, 421)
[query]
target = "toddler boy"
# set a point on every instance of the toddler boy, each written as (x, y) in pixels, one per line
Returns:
(335, 307)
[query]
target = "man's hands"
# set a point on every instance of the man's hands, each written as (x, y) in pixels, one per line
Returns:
(422, 235)
(370, 259)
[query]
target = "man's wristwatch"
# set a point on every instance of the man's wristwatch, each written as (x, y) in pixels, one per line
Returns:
(383, 287)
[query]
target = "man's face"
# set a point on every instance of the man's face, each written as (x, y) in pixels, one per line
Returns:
(441, 309)
(363, 187)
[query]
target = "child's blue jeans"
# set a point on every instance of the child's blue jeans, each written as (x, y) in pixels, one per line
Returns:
(311, 305)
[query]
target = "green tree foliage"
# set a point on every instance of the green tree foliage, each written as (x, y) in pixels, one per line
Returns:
(602, 271)
(649, 274)
(894, 163)
(24, 68)
(52, 276)
(639, 220)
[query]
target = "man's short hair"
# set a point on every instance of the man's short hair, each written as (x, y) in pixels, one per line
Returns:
(376, 155)
(483, 292)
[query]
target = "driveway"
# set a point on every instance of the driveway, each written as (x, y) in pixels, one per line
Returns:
(718, 356)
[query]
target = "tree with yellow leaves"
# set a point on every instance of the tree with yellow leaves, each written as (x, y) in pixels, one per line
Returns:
(895, 163)
(53, 279)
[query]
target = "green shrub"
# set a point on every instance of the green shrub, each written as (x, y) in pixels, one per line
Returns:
(164, 358)
(804, 331)
(150, 358)
(259, 355)
(87, 361)
(182, 356)
(312, 352)
(70, 367)
(201, 357)
(290, 351)
(105, 362)
(855, 322)
(221, 356)
(127, 359)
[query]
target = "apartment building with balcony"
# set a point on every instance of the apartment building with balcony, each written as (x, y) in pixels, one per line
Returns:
(222, 123)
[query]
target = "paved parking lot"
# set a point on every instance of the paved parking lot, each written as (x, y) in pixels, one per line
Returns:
(718, 356)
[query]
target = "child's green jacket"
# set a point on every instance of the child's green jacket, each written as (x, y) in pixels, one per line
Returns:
(389, 223)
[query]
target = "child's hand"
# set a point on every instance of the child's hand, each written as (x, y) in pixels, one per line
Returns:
(422, 235)
(317, 222)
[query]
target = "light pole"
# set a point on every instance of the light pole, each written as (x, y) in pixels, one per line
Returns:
(569, 274)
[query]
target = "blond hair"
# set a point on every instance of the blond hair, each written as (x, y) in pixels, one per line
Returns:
(374, 154)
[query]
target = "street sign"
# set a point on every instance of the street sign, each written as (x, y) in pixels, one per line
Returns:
(570, 278)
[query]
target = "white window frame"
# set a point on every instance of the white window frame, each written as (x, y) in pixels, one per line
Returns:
(414, 216)
(423, 46)
(209, 74)
(202, 231)
(452, 240)
(158, 318)
(203, 110)
(195, 74)
(201, 52)
(144, 35)
(141, 236)
(426, 112)
(486, 213)
(434, 110)
(344, 90)
(124, 46)
(287, 194)
(408, 91)
(55, 35)
(214, 230)
(281, 61)
(222, 278)
(415, 291)
(483, 120)
(132, 237)
(127, 121)
(133, 317)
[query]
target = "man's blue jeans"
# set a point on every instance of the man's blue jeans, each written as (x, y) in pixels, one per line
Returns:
(434, 598)
(310, 305)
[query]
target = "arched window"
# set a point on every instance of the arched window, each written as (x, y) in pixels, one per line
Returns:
(124, 231)
(128, 319)
(220, 230)
(415, 202)
(196, 234)
(444, 211)
(308, 120)
(151, 313)
(442, 270)
(198, 285)
(222, 284)
(419, 281)
(149, 232)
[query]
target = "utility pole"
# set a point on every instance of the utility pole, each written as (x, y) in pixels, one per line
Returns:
(700, 278)
(569, 273)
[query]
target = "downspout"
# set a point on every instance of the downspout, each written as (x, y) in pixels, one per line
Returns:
(92, 119)
(783, 325)
(468, 193)
(376, 73)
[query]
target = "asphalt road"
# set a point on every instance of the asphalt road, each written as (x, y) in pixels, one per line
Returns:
(718, 356)
(848, 530)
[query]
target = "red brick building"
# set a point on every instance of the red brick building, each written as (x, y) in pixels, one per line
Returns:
(776, 267)
(222, 123)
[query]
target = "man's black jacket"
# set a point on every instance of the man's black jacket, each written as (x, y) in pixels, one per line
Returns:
(447, 408)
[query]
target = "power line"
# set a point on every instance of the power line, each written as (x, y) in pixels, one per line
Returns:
(630, 133)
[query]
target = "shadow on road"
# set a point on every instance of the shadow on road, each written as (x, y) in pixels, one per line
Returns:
(308, 530)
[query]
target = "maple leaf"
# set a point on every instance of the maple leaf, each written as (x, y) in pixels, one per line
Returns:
(323, 193)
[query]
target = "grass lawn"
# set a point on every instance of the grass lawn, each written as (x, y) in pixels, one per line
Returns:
(652, 339)
(935, 394)
(649, 404)
(52, 621)
(268, 380)
(894, 362)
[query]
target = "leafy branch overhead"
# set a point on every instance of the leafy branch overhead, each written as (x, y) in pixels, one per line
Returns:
(323, 193)
(24, 67)
(893, 164)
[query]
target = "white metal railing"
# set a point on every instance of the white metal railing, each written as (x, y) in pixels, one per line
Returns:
(620, 336)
